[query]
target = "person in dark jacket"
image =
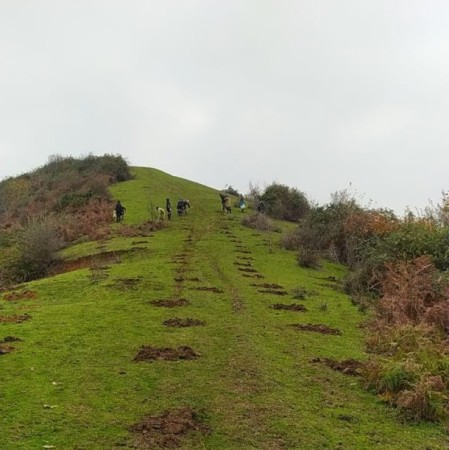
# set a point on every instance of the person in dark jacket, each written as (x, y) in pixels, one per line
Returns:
(119, 211)
(168, 208)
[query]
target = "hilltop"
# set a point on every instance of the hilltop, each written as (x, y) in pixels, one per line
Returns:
(200, 333)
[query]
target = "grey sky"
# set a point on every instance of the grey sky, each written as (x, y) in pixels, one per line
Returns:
(313, 94)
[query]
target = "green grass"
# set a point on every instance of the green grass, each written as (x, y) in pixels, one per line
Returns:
(72, 382)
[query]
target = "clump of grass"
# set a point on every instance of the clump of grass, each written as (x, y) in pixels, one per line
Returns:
(323, 306)
(300, 293)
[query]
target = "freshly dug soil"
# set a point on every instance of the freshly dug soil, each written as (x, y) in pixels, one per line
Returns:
(91, 260)
(245, 264)
(256, 275)
(209, 289)
(169, 429)
(292, 307)
(272, 291)
(149, 353)
(20, 295)
(186, 322)
(267, 285)
(347, 366)
(247, 269)
(170, 302)
(194, 279)
(7, 339)
(126, 283)
(5, 349)
(15, 319)
(317, 328)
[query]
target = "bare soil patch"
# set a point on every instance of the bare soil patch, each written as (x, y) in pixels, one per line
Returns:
(245, 264)
(292, 307)
(267, 285)
(317, 328)
(15, 319)
(5, 349)
(149, 353)
(247, 269)
(272, 291)
(185, 322)
(209, 289)
(20, 295)
(126, 284)
(91, 260)
(169, 429)
(170, 302)
(346, 366)
(256, 275)
(8, 339)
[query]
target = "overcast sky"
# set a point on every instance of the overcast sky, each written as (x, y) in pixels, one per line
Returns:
(315, 94)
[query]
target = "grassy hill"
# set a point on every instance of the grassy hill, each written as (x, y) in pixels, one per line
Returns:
(81, 377)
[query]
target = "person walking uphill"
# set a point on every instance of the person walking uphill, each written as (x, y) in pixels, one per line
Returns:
(168, 208)
(119, 211)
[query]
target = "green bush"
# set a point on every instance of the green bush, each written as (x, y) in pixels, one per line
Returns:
(285, 203)
(37, 251)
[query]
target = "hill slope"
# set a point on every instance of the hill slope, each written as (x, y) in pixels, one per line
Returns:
(76, 379)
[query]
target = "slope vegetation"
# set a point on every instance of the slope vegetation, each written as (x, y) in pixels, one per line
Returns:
(188, 337)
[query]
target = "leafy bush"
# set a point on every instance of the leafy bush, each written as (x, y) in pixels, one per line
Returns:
(285, 203)
(37, 251)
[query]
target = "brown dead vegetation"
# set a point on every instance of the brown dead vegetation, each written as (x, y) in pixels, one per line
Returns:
(149, 353)
(169, 429)
(317, 328)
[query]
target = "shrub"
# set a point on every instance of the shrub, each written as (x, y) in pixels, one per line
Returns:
(309, 259)
(291, 240)
(259, 222)
(37, 251)
(285, 203)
